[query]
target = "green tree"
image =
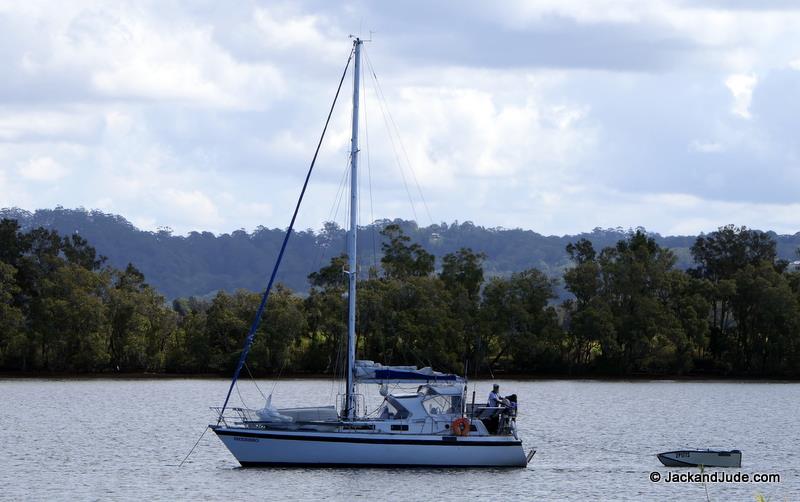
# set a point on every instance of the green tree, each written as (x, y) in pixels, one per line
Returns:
(279, 338)
(15, 347)
(70, 320)
(463, 269)
(519, 324)
(720, 254)
(331, 276)
(77, 250)
(588, 318)
(635, 275)
(326, 317)
(12, 246)
(742, 269)
(402, 260)
(632, 311)
(767, 322)
(462, 275)
(228, 320)
(188, 348)
(140, 323)
(409, 322)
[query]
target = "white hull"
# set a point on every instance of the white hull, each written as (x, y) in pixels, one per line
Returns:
(707, 458)
(255, 447)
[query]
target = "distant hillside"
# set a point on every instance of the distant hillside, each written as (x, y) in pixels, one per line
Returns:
(201, 263)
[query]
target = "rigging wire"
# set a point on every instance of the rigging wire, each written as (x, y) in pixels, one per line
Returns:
(369, 178)
(333, 214)
(322, 252)
(265, 297)
(340, 191)
(392, 143)
(399, 137)
(256, 383)
(337, 366)
(338, 362)
(240, 396)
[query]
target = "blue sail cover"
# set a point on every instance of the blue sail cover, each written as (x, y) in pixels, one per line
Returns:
(372, 372)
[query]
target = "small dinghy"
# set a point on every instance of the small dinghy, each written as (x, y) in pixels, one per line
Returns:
(706, 458)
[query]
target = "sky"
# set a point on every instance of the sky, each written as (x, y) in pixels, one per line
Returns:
(558, 116)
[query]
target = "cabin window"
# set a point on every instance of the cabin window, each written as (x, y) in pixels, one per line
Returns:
(391, 411)
(440, 405)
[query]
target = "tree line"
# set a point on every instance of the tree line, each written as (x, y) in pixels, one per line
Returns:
(202, 263)
(630, 312)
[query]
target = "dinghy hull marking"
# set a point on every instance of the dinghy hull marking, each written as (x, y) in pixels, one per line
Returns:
(692, 458)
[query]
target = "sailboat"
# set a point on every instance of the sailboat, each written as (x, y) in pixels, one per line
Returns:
(432, 426)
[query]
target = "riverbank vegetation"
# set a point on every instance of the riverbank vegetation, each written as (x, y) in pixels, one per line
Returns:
(630, 312)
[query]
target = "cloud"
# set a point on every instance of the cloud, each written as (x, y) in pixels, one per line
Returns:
(690, 215)
(553, 115)
(706, 146)
(42, 169)
(775, 108)
(20, 125)
(468, 132)
(107, 51)
(741, 87)
(282, 32)
(193, 207)
(552, 41)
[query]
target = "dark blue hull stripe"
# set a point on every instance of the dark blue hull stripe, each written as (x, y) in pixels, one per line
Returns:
(376, 466)
(443, 441)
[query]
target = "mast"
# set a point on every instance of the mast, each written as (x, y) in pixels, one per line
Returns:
(350, 402)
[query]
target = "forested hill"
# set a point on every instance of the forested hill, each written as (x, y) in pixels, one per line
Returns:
(202, 263)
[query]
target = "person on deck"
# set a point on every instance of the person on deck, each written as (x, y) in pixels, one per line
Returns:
(495, 399)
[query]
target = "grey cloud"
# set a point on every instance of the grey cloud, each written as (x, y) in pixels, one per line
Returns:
(555, 43)
(648, 130)
(18, 85)
(775, 107)
(649, 92)
(754, 5)
(470, 33)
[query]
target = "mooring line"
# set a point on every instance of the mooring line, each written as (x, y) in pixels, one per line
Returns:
(193, 447)
(600, 448)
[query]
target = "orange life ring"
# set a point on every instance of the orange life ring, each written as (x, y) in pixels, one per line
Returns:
(460, 426)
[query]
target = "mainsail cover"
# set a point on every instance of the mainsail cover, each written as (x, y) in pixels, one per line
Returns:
(372, 372)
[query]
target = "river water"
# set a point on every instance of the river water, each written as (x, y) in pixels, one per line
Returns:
(595, 440)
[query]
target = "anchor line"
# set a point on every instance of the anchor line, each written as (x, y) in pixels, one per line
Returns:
(193, 447)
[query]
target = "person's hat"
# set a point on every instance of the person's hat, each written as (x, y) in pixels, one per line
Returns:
(496, 386)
